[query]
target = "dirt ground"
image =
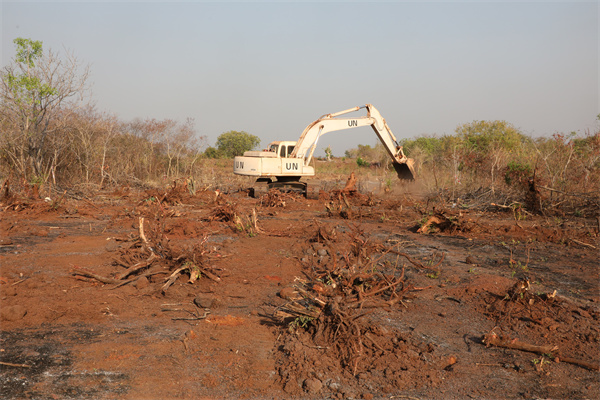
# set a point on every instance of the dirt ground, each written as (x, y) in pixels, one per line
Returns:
(350, 296)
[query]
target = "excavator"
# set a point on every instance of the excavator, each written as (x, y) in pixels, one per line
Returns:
(284, 163)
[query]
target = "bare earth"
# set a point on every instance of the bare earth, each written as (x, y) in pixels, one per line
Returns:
(65, 335)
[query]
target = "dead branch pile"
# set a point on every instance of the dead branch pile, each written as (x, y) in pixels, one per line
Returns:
(9, 200)
(276, 198)
(521, 302)
(331, 302)
(442, 221)
(180, 190)
(225, 212)
(5, 193)
(549, 313)
(151, 254)
(18, 195)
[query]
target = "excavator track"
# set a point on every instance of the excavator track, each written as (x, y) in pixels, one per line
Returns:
(262, 187)
(297, 187)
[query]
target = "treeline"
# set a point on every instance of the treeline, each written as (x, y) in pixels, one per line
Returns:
(496, 154)
(50, 133)
(496, 158)
(84, 146)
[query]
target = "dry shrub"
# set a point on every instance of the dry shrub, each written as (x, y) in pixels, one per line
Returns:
(491, 162)
(276, 198)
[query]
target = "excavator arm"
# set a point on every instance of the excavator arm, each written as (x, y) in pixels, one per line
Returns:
(306, 145)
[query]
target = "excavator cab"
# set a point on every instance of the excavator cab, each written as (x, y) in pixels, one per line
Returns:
(282, 149)
(285, 150)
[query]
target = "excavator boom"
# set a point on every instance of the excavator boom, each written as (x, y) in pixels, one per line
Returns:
(288, 162)
(330, 122)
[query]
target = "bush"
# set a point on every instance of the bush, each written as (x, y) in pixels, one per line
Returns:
(212, 152)
(517, 174)
(234, 143)
(361, 162)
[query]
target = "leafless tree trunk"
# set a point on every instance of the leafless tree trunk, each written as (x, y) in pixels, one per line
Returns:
(32, 97)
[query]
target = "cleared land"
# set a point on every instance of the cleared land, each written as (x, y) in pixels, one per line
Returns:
(176, 293)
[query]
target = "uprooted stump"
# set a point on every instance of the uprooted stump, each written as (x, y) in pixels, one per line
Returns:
(276, 198)
(332, 312)
(347, 202)
(150, 254)
(224, 213)
(330, 328)
(519, 302)
(180, 190)
(441, 221)
(331, 323)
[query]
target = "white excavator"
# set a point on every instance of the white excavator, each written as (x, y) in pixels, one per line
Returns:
(283, 164)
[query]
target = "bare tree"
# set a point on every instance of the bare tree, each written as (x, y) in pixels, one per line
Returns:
(34, 89)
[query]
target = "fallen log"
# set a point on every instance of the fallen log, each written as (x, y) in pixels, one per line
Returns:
(144, 275)
(89, 274)
(491, 339)
(581, 363)
(14, 365)
(137, 267)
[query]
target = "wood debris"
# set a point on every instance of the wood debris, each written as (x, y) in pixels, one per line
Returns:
(276, 198)
(334, 298)
(492, 339)
(151, 254)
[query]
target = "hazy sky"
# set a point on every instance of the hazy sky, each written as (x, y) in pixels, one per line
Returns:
(271, 68)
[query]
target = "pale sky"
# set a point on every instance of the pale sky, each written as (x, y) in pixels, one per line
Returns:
(271, 68)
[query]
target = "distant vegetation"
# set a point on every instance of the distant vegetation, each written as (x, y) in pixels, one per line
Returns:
(496, 159)
(50, 134)
(231, 144)
(495, 154)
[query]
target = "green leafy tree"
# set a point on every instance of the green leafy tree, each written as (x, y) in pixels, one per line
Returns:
(488, 144)
(328, 153)
(36, 91)
(212, 152)
(234, 143)
(350, 153)
(483, 136)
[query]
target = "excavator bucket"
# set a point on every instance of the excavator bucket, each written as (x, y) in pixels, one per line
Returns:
(405, 170)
